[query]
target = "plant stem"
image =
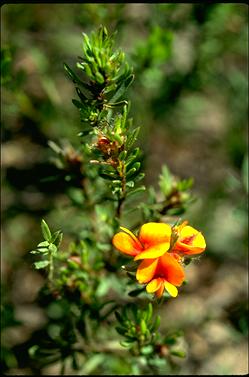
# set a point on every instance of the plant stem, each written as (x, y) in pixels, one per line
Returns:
(51, 268)
(123, 189)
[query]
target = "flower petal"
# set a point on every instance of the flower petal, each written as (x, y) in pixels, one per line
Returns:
(170, 270)
(154, 251)
(171, 289)
(154, 233)
(190, 241)
(159, 292)
(146, 270)
(126, 244)
(154, 285)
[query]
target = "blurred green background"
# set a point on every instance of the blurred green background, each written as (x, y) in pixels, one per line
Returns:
(190, 97)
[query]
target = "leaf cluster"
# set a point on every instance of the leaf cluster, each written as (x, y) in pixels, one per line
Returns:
(47, 248)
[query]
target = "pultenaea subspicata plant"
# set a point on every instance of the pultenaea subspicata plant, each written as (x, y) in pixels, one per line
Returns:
(91, 295)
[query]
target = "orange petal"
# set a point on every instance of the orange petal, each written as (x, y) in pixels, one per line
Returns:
(159, 292)
(170, 269)
(154, 233)
(154, 251)
(146, 270)
(126, 244)
(154, 285)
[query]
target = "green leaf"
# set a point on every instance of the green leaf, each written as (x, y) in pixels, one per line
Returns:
(132, 137)
(41, 264)
(81, 95)
(72, 75)
(134, 168)
(122, 89)
(147, 350)
(135, 191)
(45, 230)
(78, 104)
(34, 252)
(149, 312)
(165, 181)
(127, 343)
(57, 238)
(120, 330)
(119, 317)
(85, 87)
(100, 79)
(42, 249)
(143, 326)
(43, 244)
(181, 354)
(122, 155)
(110, 176)
(132, 156)
(130, 184)
(53, 249)
(156, 324)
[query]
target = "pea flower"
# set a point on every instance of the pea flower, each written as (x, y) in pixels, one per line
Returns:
(187, 240)
(161, 273)
(162, 249)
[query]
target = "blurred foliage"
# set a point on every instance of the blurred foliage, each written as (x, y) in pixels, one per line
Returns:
(190, 97)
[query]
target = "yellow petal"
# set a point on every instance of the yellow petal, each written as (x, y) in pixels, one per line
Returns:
(154, 233)
(191, 241)
(171, 289)
(126, 244)
(154, 251)
(154, 285)
(146, 270)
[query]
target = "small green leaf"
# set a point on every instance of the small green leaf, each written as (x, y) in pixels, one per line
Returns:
(45, 230)
(147, 350)
(53, 249)
(130, 184)
(42, 249)
(178, 353)
(156, 323)
(135, 191)
(132, 137)
(41, 264)
(119, 317)
(127, 343)
(100, 79)
(122, 89)
(149, 312)
(120, 330)
(43, 244)
(143, 326)
(78, 104)
(122, 155)
(56, 238)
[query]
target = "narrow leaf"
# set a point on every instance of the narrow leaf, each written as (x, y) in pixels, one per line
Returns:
(45, 230)
(41, 264)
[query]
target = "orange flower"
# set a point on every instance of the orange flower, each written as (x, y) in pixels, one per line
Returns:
(162, 248)
(163, 272)
(152, 242)
(188, 241)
